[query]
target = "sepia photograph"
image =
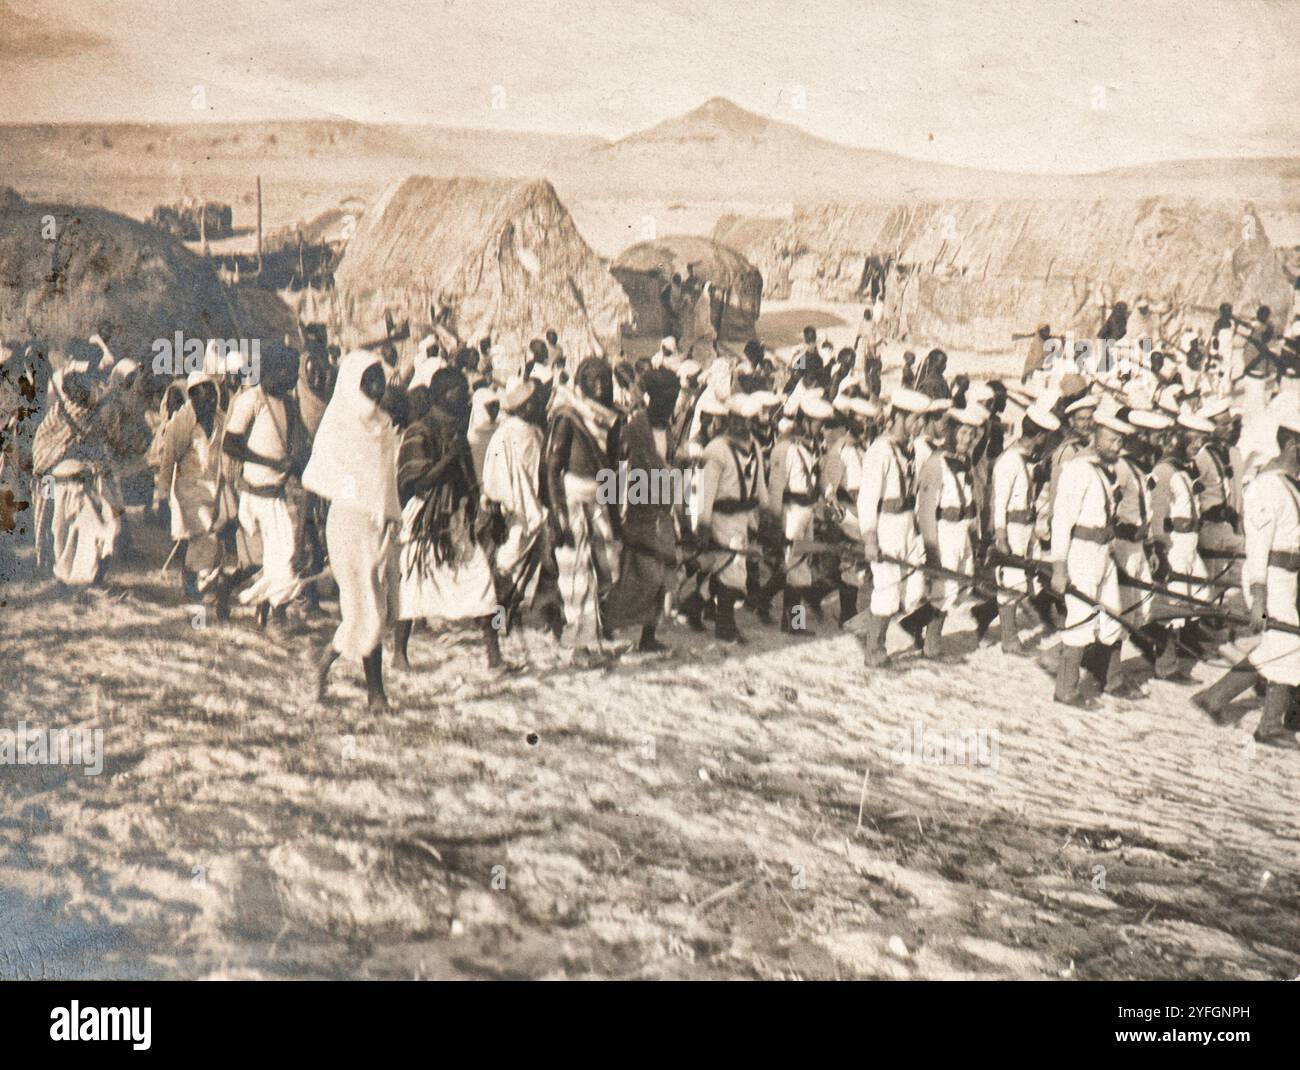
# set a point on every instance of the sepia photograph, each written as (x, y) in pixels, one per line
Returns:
(650, 491)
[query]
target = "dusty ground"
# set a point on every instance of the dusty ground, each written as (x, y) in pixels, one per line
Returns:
(716, 813)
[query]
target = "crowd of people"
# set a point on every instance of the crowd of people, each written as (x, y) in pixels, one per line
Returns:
(1090, 504)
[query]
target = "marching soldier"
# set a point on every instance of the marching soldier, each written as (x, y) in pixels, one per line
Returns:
(1083, 569)
(1175, 529)
(1133, 518)
(731, 487)
(1272, 511)
(947, 516)
(887, 520)
(799, 497)
(844, 480)
(1013, 516)
(1220, 500)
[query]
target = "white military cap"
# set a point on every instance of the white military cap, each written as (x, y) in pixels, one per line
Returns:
(1088, 401)
(1043, 416)
(745, 405)
(1148, 420)
(1112, 421)
(971, 415)
(1195, 422)
(907, 400)
(816, 407)
(1216, 407)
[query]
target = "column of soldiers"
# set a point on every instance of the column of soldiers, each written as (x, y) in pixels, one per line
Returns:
(1078, 512)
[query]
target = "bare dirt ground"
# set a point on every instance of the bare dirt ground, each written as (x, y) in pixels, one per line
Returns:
(716, 813)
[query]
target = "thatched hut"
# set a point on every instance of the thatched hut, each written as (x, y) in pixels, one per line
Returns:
(505, 256)
(970, 273)
(67, 272)
(663, 276)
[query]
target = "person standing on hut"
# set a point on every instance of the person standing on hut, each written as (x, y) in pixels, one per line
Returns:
(445, 572)
(353, 466)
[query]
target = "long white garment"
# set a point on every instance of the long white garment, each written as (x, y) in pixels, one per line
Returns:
(1272, 514)
(85, 528)
(354, 466)
(195, 461)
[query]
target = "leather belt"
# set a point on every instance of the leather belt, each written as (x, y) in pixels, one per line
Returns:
(1088, 533)
(898, 505)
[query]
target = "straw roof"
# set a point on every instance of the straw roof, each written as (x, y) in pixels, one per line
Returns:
(674, 254)
(505, 255)
(973, 271)
(103, 272)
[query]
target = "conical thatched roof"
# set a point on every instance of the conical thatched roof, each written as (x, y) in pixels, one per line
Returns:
(103, 272)
(675, 253)
(972, 272)
(645, 268)
(504, 255)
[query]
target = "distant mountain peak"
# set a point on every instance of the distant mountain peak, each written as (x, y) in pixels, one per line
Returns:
(716, 117)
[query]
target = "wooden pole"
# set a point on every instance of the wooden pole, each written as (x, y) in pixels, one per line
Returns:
(259, 224)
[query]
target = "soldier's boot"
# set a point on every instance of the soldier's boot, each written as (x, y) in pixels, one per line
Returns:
(693, 610)
(848, 603)
(1116, 682)
(933, 647)
(724, 621)
(873, 642)
(1272, 725)
(190, 584)
(1007, 630)
(1169, 662)
(1215, 699)
(914, 623)
(1067, 677)
(1292, 722)
(984, 614)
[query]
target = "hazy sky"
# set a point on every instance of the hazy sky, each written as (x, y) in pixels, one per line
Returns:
(1036, 85)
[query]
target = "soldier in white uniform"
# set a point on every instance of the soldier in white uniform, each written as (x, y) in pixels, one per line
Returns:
(726, 509)
(887, 520)
(1175, 529)
(1012, 507)
(1133, 520)
(1082, 532)
(1272, 515)
(799, 498)
(843, 481)
(1220, 499)
(947, 516)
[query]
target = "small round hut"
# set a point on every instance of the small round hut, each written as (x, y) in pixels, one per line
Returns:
(665, 278)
